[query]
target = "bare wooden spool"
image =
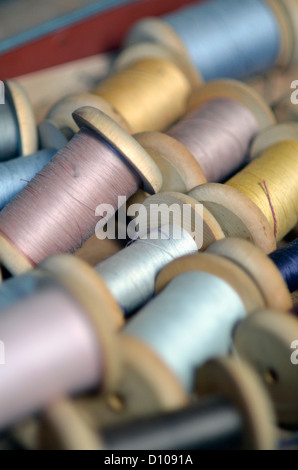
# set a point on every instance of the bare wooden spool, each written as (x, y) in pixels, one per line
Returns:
(25, 118)
(64, 427)
(59, 127)
(115, 135)
(266, 341)
(158, 31)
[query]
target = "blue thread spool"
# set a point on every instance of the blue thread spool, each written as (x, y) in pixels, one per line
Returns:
(192, 319)
(224, 38)
(16, 173)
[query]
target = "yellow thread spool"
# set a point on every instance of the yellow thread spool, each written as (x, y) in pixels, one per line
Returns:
(278, 168)
(150, 93)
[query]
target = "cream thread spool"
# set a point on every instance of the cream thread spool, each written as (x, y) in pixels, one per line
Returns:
(223, 377)
(138, 160)
(59, 126)
(267, 340)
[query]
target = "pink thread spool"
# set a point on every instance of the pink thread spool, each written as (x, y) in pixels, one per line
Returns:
(58, 341)
(55, 213)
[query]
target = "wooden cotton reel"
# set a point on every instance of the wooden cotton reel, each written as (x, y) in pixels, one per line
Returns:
(123, 106)
(268, 341)
(180, 169)
(17, 99)
(82, 354)
(148, 385)
(158, 31)
(135, 156)
(64, 427)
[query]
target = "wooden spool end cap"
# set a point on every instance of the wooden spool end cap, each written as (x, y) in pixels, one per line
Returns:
(273, 135)
(241, 386)
(265, 340)
(237, 215)
(91, 293)
(59, 125)
(25, 118)
(147, 388)
(291, 8)
(178, 166)
(259, 267)
(131, 150)
(217, 266)
(157, 31)
(197, 221)
(237, 91)
(283, 12)
(12, 259)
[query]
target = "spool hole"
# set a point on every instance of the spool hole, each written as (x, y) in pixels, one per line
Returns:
(116, 402)
(271, 377)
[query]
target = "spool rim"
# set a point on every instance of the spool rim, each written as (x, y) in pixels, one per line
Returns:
(12, 258)
(240, 385)
(25, 118)
(237, 91)
(261, 269)
(147, 50)
(87, 288)
(273, 135)
(147, 387)
(219, 267)
(177, 155)
(60, 116)
(62, 428)
(210, 223)
(272, 333)
(155, 30)
(225, 202)
(131, 150)
(287, 41)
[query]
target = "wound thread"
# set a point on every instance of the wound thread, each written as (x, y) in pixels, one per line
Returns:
(278, 166)
(55, 212)
(218, 135)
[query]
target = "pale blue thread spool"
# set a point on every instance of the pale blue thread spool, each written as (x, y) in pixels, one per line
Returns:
(130, 274)
(189, 322)
(228, 38)
(16, 173)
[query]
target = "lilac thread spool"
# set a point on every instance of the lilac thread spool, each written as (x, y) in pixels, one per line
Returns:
(55, 213)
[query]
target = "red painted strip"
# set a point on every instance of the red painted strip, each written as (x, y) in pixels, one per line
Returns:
(99, 34)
